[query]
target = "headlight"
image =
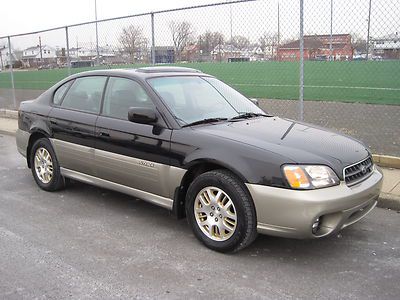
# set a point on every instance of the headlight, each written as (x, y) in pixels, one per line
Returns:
(310, 177)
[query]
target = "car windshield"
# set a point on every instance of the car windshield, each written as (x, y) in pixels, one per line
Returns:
(195, 98)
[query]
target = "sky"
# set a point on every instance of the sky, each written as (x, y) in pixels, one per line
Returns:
(42, 14)
(248, 19)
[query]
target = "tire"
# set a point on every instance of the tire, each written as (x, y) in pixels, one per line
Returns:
(229, 198)
(50, 178)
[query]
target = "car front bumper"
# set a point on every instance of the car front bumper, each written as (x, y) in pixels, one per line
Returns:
(291, 213)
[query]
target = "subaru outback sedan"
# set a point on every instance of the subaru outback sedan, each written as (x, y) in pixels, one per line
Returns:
(184, 140)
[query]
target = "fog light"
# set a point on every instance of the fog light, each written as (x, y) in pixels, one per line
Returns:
(316, 225)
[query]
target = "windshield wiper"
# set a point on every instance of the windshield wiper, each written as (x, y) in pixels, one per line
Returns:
(205, 121)
(249, 115)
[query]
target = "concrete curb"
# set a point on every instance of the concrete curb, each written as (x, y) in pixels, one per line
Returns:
(386, 161)
(9, 114)
(6, 132)
(387, 200)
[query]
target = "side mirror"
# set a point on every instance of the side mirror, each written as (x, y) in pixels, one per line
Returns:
(255, 101)
(142, 115)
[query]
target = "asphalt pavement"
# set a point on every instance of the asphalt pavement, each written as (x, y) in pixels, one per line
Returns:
(86, 242)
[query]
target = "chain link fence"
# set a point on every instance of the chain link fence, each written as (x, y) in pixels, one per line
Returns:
(334, 63)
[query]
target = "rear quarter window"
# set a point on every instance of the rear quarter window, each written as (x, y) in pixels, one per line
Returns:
(60, 92)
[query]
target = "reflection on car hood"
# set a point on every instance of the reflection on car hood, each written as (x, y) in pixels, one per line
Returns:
(303, 143)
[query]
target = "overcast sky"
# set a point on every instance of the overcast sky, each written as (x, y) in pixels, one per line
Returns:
(17, 16)
(248, 19)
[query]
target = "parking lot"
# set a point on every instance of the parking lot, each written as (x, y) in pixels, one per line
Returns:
(86, 242)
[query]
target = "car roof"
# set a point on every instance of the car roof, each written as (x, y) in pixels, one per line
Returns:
(145, 72)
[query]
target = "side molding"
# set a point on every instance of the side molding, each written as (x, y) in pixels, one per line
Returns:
(152, 198)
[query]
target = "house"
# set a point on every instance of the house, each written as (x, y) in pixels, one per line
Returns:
(107, 55)
(33, 57)
(387, 47)
(5, 58)
(317, 47)
(270, 52)
(226, 52)
(81, 53)
(253, 54)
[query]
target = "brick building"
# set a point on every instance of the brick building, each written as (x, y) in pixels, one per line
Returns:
(317, 47)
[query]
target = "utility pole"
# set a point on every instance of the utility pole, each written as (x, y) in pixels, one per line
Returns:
(369, 25)
(330, 44)
(40, 49)
(1, 59)
(97, 33)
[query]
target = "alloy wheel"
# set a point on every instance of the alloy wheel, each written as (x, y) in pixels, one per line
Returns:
(43, 165)
(215, 213)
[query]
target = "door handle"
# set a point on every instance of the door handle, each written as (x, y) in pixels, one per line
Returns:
(53, 121)
(104, 134)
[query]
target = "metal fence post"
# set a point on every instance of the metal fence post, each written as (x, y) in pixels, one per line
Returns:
(301, 91)
(330, 42)
(67, 51)
(369, 24)
(97, 35)
(12, 73)
(153, 50)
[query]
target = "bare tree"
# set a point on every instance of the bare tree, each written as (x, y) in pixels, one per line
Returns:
(209, 40)
(133, 42)
(182, 35)
(358, 43)
(240, 42)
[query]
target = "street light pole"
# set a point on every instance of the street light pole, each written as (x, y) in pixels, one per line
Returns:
(97, 33)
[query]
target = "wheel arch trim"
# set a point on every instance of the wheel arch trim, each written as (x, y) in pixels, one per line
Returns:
(33, 132)
(191, 173)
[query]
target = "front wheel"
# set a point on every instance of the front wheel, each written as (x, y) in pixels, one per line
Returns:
(45, 167)
(221, 211)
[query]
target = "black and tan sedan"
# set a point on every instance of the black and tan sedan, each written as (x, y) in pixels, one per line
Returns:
(186, 141)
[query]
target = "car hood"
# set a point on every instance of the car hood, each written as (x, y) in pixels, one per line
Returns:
(300, 142)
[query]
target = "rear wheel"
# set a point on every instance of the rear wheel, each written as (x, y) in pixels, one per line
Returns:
(221, 212)
(45, 167)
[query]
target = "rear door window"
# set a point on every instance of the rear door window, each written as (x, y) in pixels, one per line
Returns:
(85, 94)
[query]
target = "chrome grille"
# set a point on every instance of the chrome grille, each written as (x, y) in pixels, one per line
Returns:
(358, 172)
